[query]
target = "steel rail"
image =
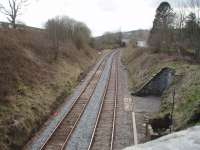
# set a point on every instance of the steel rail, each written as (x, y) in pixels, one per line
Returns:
(115, 105)
(100, 110)
(71, 107)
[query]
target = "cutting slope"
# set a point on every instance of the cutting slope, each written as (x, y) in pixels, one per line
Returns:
(143, 65)
(32, 82)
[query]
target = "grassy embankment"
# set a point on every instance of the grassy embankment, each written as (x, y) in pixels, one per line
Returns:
(32, 83)
(142, 65)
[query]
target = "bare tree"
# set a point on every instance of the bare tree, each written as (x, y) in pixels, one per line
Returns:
(52, 27)
(195, 9)
(179, 22)
(195, 5)
(63, 29)
(13, 10)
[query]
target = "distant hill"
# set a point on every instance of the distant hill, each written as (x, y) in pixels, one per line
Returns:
(138, 35)
(134, 34)
(111, 40)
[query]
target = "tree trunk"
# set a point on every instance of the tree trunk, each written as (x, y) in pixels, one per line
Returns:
(13, 23)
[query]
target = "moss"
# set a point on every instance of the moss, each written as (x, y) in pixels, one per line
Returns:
(187, 83)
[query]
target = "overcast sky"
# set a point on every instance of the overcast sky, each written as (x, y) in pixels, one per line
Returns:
(99, 15)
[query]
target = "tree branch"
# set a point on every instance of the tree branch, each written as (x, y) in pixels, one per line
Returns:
(13, 10)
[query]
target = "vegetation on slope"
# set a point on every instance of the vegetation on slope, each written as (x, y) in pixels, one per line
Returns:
(32, 82)
(143, 64)
(108, 41)
(177, 29)
(111, 40)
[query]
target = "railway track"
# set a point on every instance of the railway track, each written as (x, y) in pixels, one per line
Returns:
(124, 134)
(94, 119)
(104, 130)
(63, 131)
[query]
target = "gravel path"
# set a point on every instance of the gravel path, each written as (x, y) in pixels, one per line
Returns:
(144, 108)
(37, 141)
(81, 137)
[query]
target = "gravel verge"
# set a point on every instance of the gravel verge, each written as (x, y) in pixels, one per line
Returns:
(124, 130)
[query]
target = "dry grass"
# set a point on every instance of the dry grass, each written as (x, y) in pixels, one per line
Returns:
(32, 83)
(142, 65)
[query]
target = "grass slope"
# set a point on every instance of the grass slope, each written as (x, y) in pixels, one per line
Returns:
(32, 83)
(142, 65)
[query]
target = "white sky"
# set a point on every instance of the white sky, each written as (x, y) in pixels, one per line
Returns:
(99, 15)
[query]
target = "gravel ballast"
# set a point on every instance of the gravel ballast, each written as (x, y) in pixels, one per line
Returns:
(81, 137)
(39, 139)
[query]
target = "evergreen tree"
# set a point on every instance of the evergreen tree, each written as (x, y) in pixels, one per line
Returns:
(161, 34)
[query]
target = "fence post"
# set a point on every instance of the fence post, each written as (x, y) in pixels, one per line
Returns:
(172, 111)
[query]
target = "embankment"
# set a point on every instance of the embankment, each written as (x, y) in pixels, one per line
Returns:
(33, 83)
(143, 65)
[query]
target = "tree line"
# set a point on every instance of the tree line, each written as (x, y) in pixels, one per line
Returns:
(177, 30)
(59, 29)
(109, 40)
(63, 29)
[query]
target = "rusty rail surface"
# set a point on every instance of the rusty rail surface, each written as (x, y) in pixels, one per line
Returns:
(115, 107)
(65, 127)
(104, 130)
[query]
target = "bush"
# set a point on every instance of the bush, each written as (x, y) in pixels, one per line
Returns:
(62, 29)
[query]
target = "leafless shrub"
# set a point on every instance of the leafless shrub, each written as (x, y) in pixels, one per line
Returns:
(63, 29)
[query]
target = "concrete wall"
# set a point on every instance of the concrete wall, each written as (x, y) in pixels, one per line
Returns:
(158, 84)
